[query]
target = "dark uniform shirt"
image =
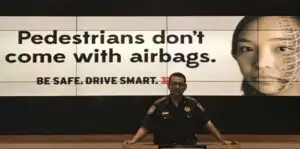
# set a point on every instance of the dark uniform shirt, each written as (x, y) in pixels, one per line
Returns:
(175, 125)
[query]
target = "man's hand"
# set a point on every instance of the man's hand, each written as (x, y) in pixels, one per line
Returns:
(129, 142)
(230, 142)
(142, 132)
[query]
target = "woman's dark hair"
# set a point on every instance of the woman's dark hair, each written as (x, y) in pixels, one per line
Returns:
(240, 27)
(246, 88)
(249, 90)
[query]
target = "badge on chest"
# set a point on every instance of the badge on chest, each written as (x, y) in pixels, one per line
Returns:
(165, 114)
(187, 109)
(188, 112)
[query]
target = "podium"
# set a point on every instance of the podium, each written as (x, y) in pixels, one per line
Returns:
(198, 146)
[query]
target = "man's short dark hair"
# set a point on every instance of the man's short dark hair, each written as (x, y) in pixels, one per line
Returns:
(177, 74)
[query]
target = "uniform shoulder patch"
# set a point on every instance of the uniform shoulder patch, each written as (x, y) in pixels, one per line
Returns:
(191, 98)
(160, 100)
(151, 109)
(198, 104)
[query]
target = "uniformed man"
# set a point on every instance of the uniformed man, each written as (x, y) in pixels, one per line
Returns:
(176, 118)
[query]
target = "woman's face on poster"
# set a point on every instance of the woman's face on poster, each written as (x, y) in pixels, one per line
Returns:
(268, 53)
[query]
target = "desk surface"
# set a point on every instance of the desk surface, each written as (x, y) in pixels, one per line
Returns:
(118, 145)
(208, 146)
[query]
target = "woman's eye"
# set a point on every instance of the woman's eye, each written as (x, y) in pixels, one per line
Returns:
(283, 49)
(245, 49)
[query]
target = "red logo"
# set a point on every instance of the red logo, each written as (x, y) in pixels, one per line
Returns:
(164, 80)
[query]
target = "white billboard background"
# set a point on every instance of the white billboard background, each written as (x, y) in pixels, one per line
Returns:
(19, 79)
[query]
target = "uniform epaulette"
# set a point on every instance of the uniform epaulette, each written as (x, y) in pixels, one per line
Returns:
(191, 98)
(198, 104)
(160, 100)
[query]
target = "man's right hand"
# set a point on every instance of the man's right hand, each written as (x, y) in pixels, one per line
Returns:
(129, 142)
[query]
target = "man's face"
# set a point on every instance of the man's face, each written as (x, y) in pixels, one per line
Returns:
(176, 85)
(268, 53)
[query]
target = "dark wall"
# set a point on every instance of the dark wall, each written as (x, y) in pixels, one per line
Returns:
(150, 8)
(122, 114)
